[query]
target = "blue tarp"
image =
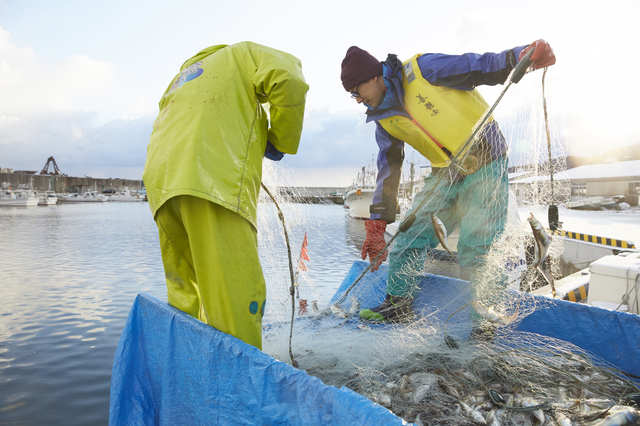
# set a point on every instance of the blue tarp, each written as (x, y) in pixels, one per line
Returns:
(172, 369)
(612, 336)
(439, 297)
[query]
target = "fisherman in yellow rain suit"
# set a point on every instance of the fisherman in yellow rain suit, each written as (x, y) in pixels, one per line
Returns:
(203, 173)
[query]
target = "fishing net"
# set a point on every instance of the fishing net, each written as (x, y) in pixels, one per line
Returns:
(300, 219)
(453, 364)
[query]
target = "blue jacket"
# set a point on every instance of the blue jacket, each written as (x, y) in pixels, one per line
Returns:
(460, 72)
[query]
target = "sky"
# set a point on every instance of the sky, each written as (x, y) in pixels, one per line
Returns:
(81, 80)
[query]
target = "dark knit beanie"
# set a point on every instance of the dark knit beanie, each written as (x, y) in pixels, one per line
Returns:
(358, 66)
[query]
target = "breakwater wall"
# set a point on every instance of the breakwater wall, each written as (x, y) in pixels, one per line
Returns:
(62, 183)
(312, 194)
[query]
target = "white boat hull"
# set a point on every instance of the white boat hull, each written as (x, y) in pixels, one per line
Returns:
(47, 200)
(83, 199)
(125, 199)
(358, 201)
(18, 198)
(19, 202)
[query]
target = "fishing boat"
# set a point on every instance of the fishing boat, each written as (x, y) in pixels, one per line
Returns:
(359, 196)
(17, 198)
(611, 282)
(595, 203)
(126, 195)
(170, 367)
(87, 197)
(47, 198)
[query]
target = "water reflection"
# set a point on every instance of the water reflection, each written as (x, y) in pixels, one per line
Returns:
(355, 233)
(70, 274)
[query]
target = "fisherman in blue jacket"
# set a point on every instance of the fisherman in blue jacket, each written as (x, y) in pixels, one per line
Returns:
(430, 102)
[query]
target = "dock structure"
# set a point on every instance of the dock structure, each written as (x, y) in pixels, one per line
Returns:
(596, 240)
(69, 184)
(316, 199)
(312, 194)
(64, 183)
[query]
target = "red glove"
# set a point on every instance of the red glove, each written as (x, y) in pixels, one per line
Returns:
(374, 242)
(542, 56)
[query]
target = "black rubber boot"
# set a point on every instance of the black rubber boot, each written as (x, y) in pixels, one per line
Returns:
(393, 309)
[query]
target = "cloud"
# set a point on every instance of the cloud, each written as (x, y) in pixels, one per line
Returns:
(332, 139)
(32, 86)
(142, 105)
(78, 147)
(46, 110)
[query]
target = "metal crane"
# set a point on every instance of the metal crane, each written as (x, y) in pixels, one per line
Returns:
(45, 170)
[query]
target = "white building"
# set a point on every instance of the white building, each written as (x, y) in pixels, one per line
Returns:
(606, 180)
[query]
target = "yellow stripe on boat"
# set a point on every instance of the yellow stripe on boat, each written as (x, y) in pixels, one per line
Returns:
(578, 294)
(594, 239)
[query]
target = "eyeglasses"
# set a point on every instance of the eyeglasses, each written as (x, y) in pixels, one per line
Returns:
(354, 92)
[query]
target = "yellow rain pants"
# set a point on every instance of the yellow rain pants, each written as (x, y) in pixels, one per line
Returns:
(211, 264)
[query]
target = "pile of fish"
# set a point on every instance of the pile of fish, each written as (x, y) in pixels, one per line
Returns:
(517, 382)
(508, 387)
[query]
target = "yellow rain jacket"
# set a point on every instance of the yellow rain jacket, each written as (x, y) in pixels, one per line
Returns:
(209, 138)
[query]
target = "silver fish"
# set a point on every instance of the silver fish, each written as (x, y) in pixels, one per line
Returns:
(530, 402)
(563, 420)
(542, 241)
(441, 232)
(621, 418)
(473, 414)
(421, 392)
(542, 244)
(450, 390)
(355, 306)
(494, 418)
(491, 315)
(338, 311)
(599, 403)
(383, 399)
(404, 386)
(423, 384)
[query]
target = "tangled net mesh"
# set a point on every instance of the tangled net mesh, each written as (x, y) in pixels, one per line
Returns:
(413, 369)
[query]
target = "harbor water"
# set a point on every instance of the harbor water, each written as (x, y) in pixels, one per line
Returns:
(70, 273)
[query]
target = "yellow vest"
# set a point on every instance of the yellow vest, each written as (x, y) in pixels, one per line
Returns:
(441, 120)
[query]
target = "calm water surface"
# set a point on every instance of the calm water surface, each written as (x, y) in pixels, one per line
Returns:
(70, 273)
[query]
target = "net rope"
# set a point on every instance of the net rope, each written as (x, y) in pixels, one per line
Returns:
(412, 369)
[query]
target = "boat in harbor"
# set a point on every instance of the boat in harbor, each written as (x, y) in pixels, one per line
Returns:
(596, 203)
(47, 198)
(127, 196)
(87, 197)
(18, 198)
(359, 196)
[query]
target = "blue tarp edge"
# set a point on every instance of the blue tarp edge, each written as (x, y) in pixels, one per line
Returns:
(172, 369)
(612, 336)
